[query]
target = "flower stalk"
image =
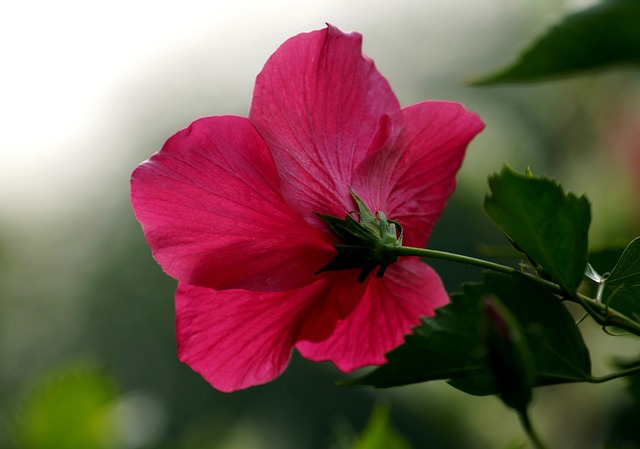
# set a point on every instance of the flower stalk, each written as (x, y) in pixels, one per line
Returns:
(600, 312)
(531, 431)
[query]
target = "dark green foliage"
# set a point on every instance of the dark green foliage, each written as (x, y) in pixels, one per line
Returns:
(600, 36)
(622, 287)
(451, 346)
(549, 226)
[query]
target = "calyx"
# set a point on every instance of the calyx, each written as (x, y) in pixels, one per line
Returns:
(367, 242)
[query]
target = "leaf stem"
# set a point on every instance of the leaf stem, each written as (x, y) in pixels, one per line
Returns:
(601, 313)
(618, 374)
(531, 431)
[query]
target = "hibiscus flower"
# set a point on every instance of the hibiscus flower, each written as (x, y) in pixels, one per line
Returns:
(237, 210)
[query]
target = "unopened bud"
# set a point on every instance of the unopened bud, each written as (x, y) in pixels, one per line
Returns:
(509, 356)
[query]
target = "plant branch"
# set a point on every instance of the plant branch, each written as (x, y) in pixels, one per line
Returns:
(531, 431)
(618, 374)
(605, 315)
(601, 313)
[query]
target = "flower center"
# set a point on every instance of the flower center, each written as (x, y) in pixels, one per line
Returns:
(366, 243)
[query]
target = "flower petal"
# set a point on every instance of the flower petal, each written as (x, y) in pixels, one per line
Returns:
(238, 338)
(321, 106)
(411, 178)
(210, 209)
(390, 308)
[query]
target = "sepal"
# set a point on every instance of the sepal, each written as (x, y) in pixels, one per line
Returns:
(365, 243)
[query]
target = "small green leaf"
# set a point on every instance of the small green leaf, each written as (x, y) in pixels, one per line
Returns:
(602, 35)
(450, 344)
(379, 433)
(68, 410)
(622, 287)
(543, 222)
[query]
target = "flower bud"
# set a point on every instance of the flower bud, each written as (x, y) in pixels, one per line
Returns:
(509, 357)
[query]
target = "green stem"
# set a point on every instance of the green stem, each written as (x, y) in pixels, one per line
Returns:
(618, 374)
(601, 313)
(606, 316)
(531, 431)
(452, 257)
(458, 258)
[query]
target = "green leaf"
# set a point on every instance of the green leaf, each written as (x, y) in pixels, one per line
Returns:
(543, 222)
(602, 35)
(68, 410)
(450, 344)
(605, 258)
(622, 287)
(379, 433)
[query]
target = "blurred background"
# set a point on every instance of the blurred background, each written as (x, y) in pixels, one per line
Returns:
(90, 89)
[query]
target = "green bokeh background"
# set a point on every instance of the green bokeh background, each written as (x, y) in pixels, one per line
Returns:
(87, 345)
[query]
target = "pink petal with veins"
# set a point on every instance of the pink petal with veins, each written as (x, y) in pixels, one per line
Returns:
(388, 311)
(321, 106)
(412, 177)
(213, 216)
(239, 338)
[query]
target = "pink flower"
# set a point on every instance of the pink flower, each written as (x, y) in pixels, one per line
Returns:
(228, 207)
